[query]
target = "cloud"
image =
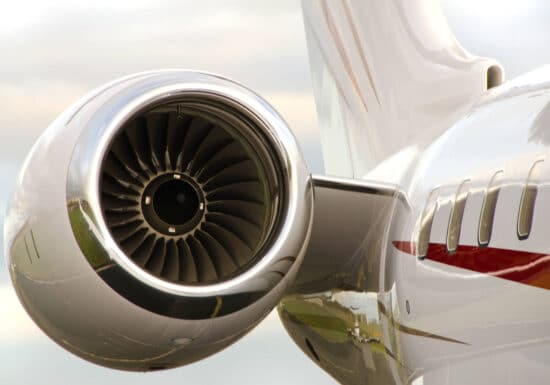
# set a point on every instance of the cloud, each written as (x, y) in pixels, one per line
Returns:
(90, 45)
(514, 33)
(52, 58)
(27, 110)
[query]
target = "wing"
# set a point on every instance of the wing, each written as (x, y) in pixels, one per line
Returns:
(388, 78)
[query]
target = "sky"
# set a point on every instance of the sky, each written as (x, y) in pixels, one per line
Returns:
(55, 51)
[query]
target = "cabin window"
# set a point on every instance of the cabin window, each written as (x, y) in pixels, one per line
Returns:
(488, 209)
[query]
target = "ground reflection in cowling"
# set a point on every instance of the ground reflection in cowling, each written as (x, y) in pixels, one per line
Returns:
(342, 332)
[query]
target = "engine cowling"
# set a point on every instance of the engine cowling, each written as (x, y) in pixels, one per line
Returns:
(158, 220)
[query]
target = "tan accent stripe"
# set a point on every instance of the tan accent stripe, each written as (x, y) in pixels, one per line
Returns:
(314, 35)
(341, 50)
(218, 307)
(360, 48)
(413, 331)
(420, 333)
(389, 353)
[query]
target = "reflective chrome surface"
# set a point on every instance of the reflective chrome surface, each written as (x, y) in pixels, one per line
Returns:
(82, 188)
(454, 286)
(491, 293)
(67, 284)
(435, 283)
(333, 311)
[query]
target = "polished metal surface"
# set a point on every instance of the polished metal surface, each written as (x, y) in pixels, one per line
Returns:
(491, 293)
(399, 293)
(455, 286)
(227, 165)
(82, 189)
(332, 310)
(84, 292)
(438, 275)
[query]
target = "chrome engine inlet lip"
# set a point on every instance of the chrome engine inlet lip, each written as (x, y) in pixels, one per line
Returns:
(286, 251)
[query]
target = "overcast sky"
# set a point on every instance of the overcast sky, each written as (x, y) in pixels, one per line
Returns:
(55, 51)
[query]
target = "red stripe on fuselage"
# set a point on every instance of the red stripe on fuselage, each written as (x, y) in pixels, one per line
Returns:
(519, 266)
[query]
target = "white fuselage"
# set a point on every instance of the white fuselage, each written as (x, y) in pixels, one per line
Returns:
(490, 296)
(448, 280)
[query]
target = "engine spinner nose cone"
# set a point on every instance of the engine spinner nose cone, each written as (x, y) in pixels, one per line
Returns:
(173, 204)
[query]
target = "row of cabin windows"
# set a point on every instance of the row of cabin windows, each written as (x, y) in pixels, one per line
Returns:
(525, 212)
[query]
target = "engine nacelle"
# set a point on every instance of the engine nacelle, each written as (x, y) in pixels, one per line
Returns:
(158, 220)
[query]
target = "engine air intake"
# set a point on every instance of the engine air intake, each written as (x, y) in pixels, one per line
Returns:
(190, 192)
(178, 202)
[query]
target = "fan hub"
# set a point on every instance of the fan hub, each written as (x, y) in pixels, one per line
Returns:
(173, 204)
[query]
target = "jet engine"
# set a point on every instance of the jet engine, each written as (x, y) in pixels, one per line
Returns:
(158, 220)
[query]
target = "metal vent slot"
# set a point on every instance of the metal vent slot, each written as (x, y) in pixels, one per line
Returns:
(527, 203)
(426, 221)
(457, 213)
(495, 76)
(312, 350)
(189, 198)
(488, 209)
